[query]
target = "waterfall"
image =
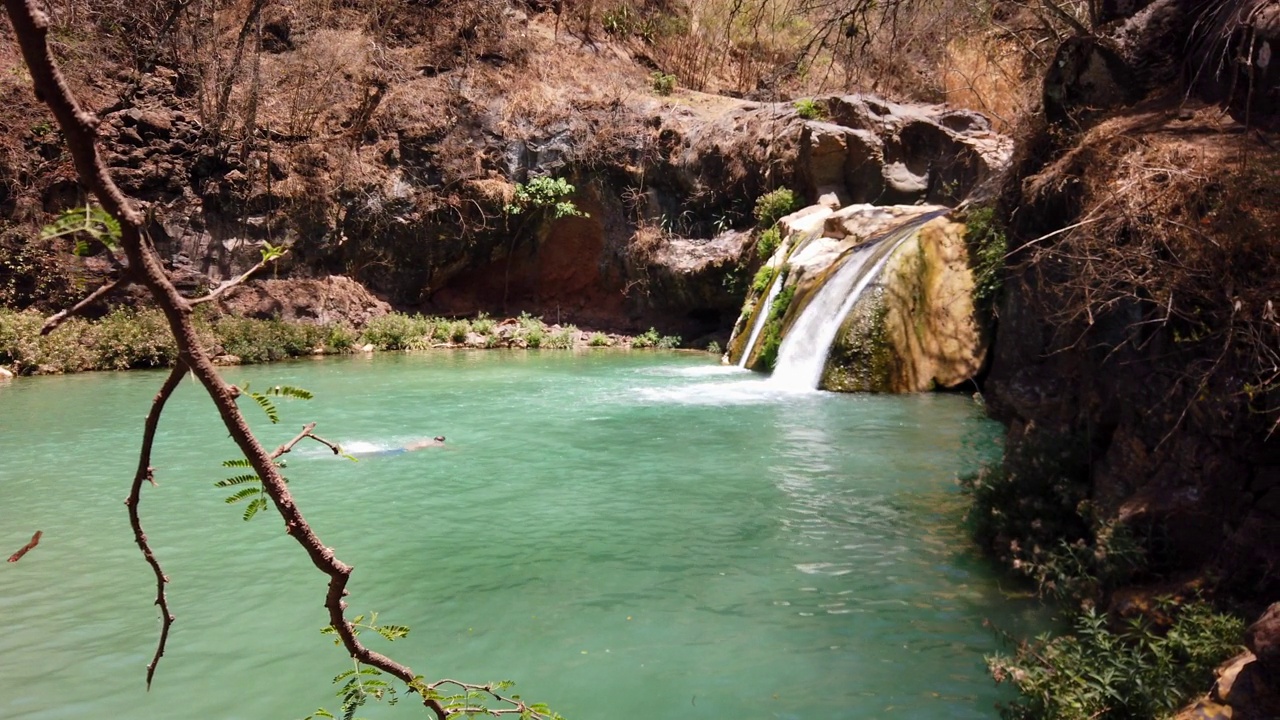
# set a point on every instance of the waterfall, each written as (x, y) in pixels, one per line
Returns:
(761, 317)
(803, 353)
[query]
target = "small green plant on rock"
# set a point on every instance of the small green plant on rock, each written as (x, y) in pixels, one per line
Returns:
(987, 247)
(760, 282)
(768, 242)
(775, 205)
(599, 339)
(771, 337)
(562, 339)
(544, 193)
(810, 109)
(663, 83)
(646, 339)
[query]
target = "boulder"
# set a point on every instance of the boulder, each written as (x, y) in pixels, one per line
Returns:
(1263, 637)
(334, 299)
(5, 374)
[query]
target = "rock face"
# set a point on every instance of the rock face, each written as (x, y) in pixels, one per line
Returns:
(1100, 354)
(917, 327)
(415, 209)
(331, 300)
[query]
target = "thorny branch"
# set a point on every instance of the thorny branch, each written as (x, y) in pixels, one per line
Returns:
(306, 433)
(145, 472)
(79, 127)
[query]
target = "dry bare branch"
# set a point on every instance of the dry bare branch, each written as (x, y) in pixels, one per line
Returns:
(35, 540)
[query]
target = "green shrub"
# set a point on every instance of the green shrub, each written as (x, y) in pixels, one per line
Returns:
(258, 341)
(713, 347)
(810, 109)
(26, 351)
(647, 339)
(483, 324)
(126, 339)
(599, 339)
(669, 342)
(532, 330)
(1131, 674)
(1035, 515)
(773, 206)
(562, 339)
(342, 338)
(396, 331)
(544, 193)
(768, 242)
(988, 246)
(761, 281)
(458, 330)
(663, 83)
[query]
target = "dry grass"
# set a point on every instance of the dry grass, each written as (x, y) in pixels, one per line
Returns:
(1173, 242)
(989, 74)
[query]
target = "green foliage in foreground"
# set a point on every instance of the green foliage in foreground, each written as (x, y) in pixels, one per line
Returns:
(1135, 673)
(773, 206)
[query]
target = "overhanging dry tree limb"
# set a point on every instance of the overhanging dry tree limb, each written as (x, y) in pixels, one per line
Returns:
(145, 472)
(62, 316)
(224, 287)
(79, 127)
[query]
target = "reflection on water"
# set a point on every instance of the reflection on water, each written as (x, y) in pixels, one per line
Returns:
(626, 535)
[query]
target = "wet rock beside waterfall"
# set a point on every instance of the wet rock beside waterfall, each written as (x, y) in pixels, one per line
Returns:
(915, 327)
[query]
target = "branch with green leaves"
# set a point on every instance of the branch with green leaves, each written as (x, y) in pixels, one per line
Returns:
(95, 229)
(79, 127)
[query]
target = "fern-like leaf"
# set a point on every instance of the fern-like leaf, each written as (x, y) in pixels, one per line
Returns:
(392, 632)
(238, 462)
(242, 494)
(254, 507)
(267, 406)
(290, 391)
(90, 220)
(237, 480)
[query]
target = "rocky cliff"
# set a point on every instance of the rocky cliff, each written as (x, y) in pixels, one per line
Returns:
(1137, 346)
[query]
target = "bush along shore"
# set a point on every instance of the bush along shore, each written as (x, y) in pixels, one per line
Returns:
(1137, 643)
(126, 339)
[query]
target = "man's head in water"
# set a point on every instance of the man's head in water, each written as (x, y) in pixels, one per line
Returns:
(436, 441)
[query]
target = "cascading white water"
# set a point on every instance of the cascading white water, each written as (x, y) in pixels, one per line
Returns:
(803, 353)
(761, 318)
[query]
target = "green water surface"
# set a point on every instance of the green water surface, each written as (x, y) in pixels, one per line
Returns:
(627, 535)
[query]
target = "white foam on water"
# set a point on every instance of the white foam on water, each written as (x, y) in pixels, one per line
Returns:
(696, 371)
(741, 392)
